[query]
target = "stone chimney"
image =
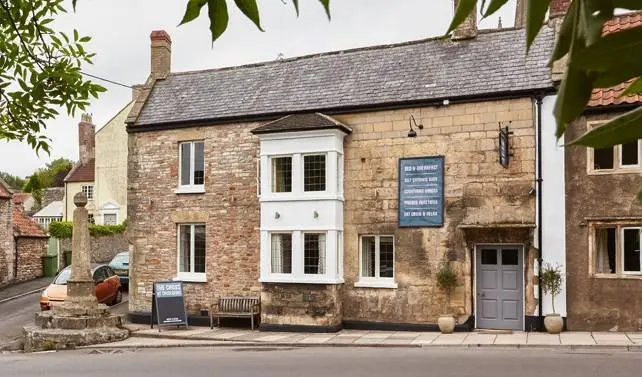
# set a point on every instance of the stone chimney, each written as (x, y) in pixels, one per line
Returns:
(161, 54)
(520, 14)
(558, 8)
(86, 139)
(136, 91)
(468, 28)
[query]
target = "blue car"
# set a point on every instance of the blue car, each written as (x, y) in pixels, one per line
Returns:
(120, 265)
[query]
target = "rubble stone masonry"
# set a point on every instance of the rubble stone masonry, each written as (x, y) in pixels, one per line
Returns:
(6, 241)
(30, 253)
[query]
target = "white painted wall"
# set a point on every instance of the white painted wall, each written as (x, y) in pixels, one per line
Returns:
(553, 202)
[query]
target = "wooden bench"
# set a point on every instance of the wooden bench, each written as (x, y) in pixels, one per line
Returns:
(235, 307)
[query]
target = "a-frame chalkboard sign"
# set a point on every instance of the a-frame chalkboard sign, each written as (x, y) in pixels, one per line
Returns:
(168, 304)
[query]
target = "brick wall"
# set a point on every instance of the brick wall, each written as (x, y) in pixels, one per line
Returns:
(477, 190)
(229, 208)
(6, 242)
(30, 252)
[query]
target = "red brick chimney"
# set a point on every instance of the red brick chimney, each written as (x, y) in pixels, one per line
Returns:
(86, 139)
(468, 28)
(558, 8)
(161, 54)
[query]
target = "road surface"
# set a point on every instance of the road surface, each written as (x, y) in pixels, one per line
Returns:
(16, 314)
(320, 362)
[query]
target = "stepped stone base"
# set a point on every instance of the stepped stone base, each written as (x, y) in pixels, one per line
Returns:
(38, 339)
(48, 320)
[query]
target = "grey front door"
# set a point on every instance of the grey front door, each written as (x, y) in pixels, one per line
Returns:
(500, 287)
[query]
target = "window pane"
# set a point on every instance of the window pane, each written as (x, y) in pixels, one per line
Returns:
(314, 173)
(314, 254)
(368, 257)
(282, 174)
(109, 219)
(489, 256)
(199, 248)
(281, 253)
(185, 163)
(630, 153)
(632, 250)
(184, 240)
(510, 257)
(386, 257)
(603, 158)
(199, 163)
(605, 247)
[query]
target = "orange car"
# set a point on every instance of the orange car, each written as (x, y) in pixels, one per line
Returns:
(108, 288)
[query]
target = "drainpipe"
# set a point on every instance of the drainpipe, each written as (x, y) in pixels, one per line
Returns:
(538, 101)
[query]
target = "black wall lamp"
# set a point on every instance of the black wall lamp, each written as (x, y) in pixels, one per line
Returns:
(412, 132)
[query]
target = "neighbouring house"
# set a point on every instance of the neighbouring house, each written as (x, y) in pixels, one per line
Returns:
(604, 217)
(335, 186)
(50, 213)
(25, 201)
(110, 190)
(81, 177)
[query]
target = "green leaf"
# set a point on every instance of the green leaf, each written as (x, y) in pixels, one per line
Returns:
(634, 88)
(193, 10)
(219, 18)
(464, 7)
(613, 51)
(536, 13)
(640, 196)
(621, 130)
(73, 4)
(493, 7)
(573, 95)
(326, 6)
(627, 4)
(250, 10)
(565, 37)
(296, 6)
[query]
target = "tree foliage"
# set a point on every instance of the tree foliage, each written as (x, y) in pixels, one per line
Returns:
(64, 229)
(13, 181)
(40, 70)
(551, 279)
(52, 175)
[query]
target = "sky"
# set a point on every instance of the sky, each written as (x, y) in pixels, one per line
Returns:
(120, 38)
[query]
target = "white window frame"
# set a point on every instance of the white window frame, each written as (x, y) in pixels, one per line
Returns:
(621, 251)
(196, 277)
(115, 214)
(190, 188)
(325, 173)
(632, 166)
(618, 167)
(86, 189)
(293, 189)
(325, 252)
(292, 267)
(377, 281)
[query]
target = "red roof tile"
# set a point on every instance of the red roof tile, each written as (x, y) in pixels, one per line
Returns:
(20, 197)
(82, 173)
(4, 190)
(610, 96)
(25, 226)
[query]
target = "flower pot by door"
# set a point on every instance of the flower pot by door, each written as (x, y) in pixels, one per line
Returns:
(446, 323)
(553, 323)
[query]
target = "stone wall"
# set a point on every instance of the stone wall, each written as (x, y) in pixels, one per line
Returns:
(7, 249)
(229, 208)
(301, 304)
(30, 253)
(608, 302)
(103, 249)
(477, 191)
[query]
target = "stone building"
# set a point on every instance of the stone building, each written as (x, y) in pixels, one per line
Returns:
(336, 185)
(7, 247)
(604, 218)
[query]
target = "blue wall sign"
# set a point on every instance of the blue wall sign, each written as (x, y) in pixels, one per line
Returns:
(421, 192)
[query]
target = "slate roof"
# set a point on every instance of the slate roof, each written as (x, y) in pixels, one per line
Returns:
(302, 122)
(611, 96)
(53, 209)
(24, 226)
(82, 173)
(494, 63)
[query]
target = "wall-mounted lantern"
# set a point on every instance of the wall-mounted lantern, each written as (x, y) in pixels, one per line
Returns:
(412, 132)
(504, 146)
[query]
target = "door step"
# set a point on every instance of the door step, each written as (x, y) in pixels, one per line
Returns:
(493, 331)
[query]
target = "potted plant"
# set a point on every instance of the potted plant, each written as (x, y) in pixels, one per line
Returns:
(550, 278)
(447, 281)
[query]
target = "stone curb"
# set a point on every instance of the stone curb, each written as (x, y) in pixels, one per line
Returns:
(251, 343)
(22, 294)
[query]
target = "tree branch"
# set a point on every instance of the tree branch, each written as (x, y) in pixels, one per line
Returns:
(22, 41)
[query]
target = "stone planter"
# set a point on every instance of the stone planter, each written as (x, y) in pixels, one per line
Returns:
(446, 323)
(553, 323)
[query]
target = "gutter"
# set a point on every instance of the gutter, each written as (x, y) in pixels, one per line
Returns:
(538, 102)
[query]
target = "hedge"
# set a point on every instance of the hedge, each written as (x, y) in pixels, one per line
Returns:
(64, 229)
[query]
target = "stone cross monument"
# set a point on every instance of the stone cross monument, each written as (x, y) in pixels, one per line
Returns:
(80, 320)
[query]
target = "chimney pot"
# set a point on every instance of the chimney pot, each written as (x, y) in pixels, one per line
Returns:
(468, 28)
(161, 54)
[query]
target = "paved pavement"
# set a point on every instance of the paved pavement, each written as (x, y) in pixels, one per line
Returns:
(321, 362)
(143, 336)
(6, 293)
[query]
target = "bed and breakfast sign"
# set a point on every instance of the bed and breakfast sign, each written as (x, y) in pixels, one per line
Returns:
(421, 192)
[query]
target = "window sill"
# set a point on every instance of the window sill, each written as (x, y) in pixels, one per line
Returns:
(271, 197)
(191, 190)
(622, 170)
(376, 284)
(629, 276)
(191, 278)
(290, 280)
